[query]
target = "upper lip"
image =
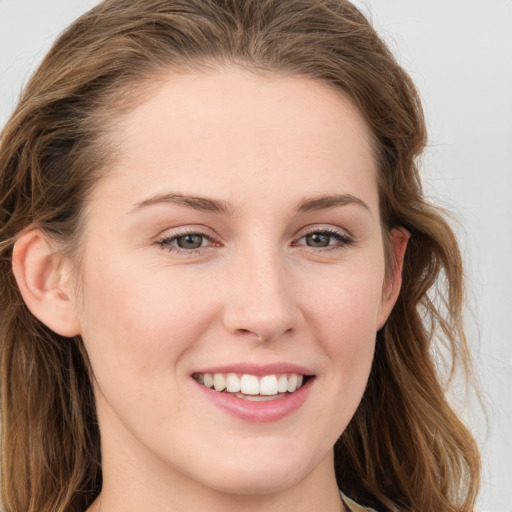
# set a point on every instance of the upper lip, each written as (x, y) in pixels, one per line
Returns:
(257, 369)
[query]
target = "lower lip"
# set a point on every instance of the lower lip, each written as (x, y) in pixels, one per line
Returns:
(258, 412)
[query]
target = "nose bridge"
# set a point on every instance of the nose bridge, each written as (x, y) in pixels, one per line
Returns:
(262, 303)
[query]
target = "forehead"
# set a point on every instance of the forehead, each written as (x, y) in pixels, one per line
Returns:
(230, 132)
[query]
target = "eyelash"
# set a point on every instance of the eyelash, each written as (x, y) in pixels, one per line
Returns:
(343, 240)
(166, 242)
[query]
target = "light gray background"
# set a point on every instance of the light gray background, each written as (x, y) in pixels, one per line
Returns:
(459, 52)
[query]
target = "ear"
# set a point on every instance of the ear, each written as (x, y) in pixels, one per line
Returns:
(42, 274)
(398, 237)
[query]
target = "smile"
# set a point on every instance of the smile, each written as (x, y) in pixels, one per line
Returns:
(252, 387)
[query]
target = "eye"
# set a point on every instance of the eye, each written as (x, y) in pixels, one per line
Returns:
(318, 239)
(324, 239)
(186, 243)
(190, 241)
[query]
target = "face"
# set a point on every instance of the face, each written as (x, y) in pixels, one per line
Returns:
(235, 242)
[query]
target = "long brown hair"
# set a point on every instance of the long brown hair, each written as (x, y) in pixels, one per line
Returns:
(405, 449)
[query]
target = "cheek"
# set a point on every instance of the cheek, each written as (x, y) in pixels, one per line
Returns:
(348, 304)
(345, 319)
(140, 324)
(137, 331)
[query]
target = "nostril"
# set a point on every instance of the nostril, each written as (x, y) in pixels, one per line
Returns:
(264, 336)
(257, 335)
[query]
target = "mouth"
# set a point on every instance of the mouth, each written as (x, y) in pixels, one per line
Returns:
(253, 387)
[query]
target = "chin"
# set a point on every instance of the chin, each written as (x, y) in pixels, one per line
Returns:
(258, 475)
(255, 482)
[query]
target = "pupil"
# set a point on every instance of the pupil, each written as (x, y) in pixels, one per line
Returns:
(318, 239)
(190, 241)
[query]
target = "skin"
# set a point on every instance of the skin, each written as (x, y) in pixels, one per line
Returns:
(255, 291)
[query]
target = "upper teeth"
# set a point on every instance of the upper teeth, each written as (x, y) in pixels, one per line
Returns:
(251, 384)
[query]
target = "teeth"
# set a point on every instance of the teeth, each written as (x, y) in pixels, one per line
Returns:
(249, 385)
(282, 385)
(268, 385)
(292, 382)
(259, 398)
(219, 382)
(233, 383)
(246, 384)
(208, 380)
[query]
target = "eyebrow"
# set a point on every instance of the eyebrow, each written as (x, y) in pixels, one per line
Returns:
(326, 202)
(202, 204)
(208, 205)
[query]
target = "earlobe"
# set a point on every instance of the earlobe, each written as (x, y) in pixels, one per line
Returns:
(42, 278)
(398, 237)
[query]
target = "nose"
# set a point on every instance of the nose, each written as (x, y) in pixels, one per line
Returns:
(261, 301)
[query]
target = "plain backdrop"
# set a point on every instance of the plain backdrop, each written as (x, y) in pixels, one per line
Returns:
(459, 52)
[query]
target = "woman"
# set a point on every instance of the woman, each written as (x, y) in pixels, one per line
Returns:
(217, 270)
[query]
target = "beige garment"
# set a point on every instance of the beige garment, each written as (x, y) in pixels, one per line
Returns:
(353, 506)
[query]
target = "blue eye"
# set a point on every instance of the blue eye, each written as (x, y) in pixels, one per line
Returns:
(325, 239)
(195, 242)
(185, 242)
